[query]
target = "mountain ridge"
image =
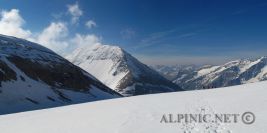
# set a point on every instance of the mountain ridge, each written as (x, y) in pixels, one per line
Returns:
(235, 72)
(120, 71)
(34, 77)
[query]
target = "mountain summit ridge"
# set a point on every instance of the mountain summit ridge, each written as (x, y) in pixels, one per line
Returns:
(120, 71)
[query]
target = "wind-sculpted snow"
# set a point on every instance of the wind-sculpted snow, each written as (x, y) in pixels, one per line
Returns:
(143, 114)
(34, 77)
(120, 71)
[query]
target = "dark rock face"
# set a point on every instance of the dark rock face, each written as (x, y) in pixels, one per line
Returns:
(144, 79)
(63, 75)
(126, 81)
(254, 70)
(145, 85)
(6, 74)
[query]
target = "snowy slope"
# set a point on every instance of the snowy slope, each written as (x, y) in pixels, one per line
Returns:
(120, 71)
(142, 114)
(232, 73)
(34, 77)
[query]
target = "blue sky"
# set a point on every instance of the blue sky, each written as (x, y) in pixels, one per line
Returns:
(155, 31)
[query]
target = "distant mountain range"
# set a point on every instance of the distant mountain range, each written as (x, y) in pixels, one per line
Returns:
(232, 73)
(174, 71)
(120, 71)
(34, 77)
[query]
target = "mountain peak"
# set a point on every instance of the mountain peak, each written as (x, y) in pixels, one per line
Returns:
(120, 71)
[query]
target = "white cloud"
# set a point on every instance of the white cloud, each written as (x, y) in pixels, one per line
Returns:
(75, 12)
(57, 38)
(54, 36)
(11, 24)
(88, 39)
(90, 24)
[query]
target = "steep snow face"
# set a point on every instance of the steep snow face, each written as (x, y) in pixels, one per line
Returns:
(102, 62)
(120, 71)
(142, 114)
(34, 77)
(232, 73)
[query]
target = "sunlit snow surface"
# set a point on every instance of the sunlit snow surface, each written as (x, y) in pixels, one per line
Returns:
(142, 114)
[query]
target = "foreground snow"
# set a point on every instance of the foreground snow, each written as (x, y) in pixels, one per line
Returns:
(142, 114)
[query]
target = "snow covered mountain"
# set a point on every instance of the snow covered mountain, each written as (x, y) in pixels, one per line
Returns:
(232, 73)
(174, 71)
(142, 114)
(34, 77)
(120, 71)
